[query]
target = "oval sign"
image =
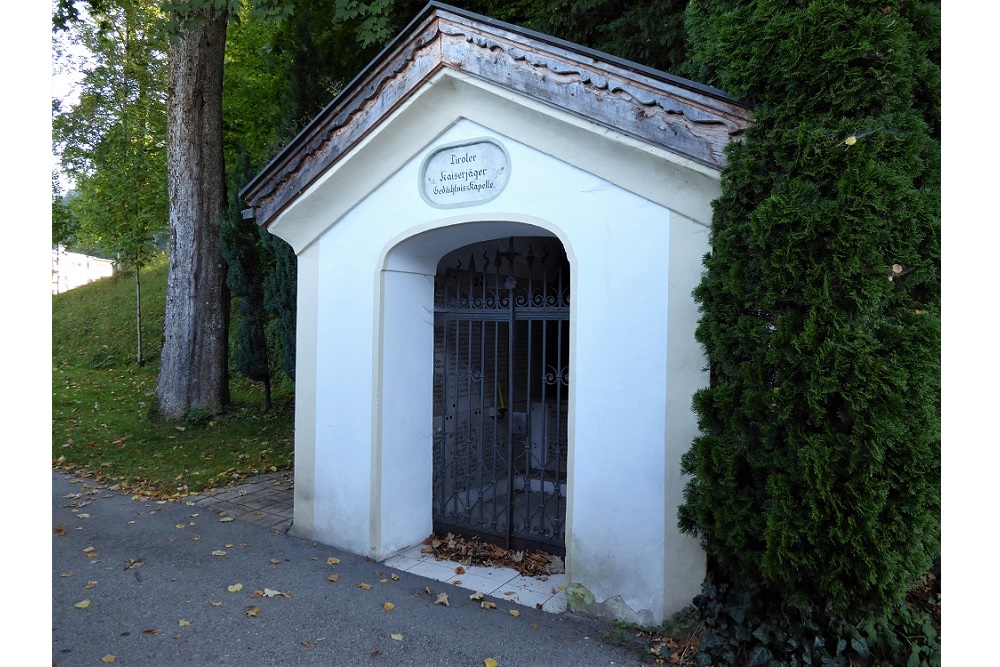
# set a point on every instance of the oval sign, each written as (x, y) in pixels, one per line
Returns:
(465, 173)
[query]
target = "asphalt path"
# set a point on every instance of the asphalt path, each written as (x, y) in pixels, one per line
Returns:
(137, 582)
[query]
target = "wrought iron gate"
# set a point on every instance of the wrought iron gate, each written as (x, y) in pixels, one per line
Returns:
(501, 389)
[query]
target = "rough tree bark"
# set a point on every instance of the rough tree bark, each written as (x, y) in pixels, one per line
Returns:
(194, 360)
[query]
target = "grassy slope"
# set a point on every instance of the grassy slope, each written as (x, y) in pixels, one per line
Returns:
(101, 398)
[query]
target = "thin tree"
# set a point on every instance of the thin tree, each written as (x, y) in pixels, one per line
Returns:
(112, 139)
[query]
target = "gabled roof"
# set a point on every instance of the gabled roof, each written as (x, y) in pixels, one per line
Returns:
(681, 116)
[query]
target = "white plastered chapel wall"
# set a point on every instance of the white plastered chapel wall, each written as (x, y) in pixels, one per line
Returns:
(633, 220)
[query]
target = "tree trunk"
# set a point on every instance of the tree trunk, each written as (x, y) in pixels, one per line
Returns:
(194, 360)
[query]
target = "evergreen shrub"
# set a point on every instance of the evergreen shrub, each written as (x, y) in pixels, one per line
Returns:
(816, 475)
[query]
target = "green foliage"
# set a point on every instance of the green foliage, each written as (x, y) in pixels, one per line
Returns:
(112, 141)
(64, 225)
(817, 472)
(745, 626)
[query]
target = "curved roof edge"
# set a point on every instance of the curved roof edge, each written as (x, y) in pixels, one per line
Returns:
(664, 110)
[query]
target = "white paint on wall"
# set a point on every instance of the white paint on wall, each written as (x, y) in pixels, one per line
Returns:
(365, 353)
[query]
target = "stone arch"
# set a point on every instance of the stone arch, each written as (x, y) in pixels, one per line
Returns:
(403, 419)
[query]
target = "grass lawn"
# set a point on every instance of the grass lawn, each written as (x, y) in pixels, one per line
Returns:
(101, 398)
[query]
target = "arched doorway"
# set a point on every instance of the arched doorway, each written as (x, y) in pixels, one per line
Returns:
(501, 392)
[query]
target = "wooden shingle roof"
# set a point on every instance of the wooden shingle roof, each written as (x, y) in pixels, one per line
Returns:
(681, 116)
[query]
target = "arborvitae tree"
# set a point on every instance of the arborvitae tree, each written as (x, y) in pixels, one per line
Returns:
(817, 472)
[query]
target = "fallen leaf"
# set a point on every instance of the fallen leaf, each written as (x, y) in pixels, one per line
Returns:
(388, 606)
(133, 563)
(398, 638)
(275, 561)
(383, 581)
(60, 531)
(235, 588)
(534, 627)
(225, 519)
(476, 596)
(514, 612)
(90, 584)
(485, 604)
(395, 577)
(257, 594)
(332, 561)
(88, 550)
(428, 589)
(82, 516)
(376, 653)
(216, 604)
(491, 662)
(851, 140)
(180, 525)
(218, 552)
(150, 632)
(108, 658)
(510, 593)
(270, 592)
(184, 623)
(196, 537)
(459, 570)
(66, 574)
(333, 577)
(308, 644)
(82, 604)
(442, 598)
(253, 611)
(364, 587)
(229, 546)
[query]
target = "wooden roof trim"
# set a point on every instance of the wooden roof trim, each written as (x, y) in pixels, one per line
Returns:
(684, 117)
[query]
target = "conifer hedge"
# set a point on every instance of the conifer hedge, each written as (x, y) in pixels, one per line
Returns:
(817, 471)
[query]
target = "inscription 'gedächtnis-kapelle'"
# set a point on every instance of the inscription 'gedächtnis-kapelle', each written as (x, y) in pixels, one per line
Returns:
(464, 174)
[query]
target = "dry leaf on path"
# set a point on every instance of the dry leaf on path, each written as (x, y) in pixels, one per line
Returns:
(89, 585)
(395, 577)
(459, 570)
(108, 658)
(218, 552)
(270, 592)
(442, 599)
(488, 605)
(514, 612)
(364, 587)
(235, 588)
(253, 611)
(225, 519)
(150, 632)
(476, 596)
(398, 638)
(60, 531)
(388, 606)
(333, 577)
(184, 623)
(332, 561)
(491, 662)
(82, 604)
